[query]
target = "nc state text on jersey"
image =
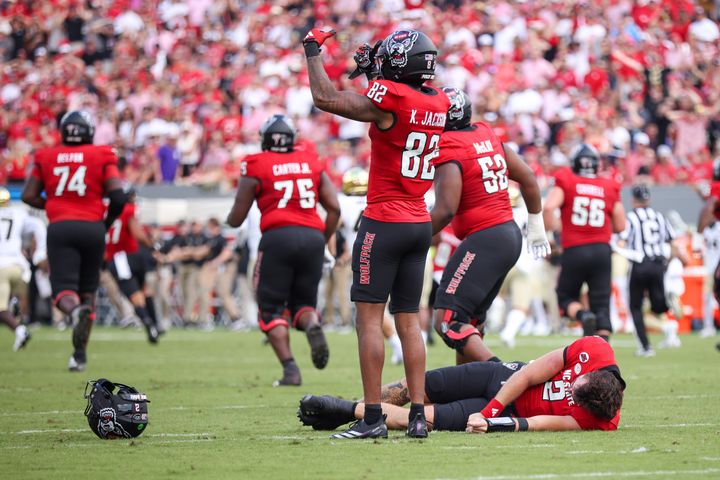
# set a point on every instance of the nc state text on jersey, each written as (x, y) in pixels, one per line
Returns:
(431, 119)
(289, 168)
(70, 158)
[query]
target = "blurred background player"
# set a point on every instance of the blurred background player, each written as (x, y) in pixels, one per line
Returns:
(14, 268)
(709, 227)
(353, 202)
(287, 184)
(590, 211)
(649, 241)
(75, 177)
(128, 264)
(471, 182)
(394, 235)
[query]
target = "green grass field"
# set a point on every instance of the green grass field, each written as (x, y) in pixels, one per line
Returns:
(214, 414)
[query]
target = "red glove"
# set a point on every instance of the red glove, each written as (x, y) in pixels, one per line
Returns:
(314, 40)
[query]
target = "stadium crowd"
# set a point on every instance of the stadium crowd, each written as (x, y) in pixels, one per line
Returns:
(180, 87)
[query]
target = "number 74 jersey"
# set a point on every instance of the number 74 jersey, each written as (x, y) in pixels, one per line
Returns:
(74, 180)
(586, 212)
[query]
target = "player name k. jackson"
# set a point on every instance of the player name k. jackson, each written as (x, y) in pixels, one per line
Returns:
(288, 168)
(431, 119)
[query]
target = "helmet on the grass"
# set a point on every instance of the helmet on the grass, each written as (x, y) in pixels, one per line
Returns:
(123, 414)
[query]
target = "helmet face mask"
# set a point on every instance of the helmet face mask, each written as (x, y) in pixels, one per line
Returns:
(355, 182)
(123, 414)
(407, 56)
(278, 134)
(77, 128)
(460, 111)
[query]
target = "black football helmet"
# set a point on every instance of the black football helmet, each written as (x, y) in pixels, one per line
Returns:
(77, 128)
(585, 160)
(460, 109)
(278, 134)
(407, 56)
(115, 415)
(716, 169)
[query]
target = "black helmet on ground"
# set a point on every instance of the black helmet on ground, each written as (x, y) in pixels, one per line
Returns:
(407, 56)
(77, 128)
(123, 414)
(460, 110)
(585, 160)
(278, 134)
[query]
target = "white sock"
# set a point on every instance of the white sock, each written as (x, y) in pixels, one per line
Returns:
(709, 317)
(20, 331)
(396, 345)
(514, 321)
(424, 336)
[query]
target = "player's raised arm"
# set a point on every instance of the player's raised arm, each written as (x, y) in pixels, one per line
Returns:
(327, 98)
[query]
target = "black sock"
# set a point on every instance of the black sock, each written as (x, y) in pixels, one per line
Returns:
(373, 413)
(150, 307)
(288, 363)
(415, 409)
(494, 359)
(354, 406)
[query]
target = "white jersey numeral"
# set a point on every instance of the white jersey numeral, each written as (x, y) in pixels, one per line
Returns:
(415, 146)
(588, 211)
(305, 191)
(76, 183)
(494, 180)
(554, 391)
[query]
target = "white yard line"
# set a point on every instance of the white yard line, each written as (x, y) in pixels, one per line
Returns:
(636, 473)
(51, 430)
(671, 425)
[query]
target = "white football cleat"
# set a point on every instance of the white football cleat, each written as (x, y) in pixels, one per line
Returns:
(22, 337)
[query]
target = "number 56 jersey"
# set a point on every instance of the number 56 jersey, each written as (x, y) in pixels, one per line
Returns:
(586, 212)
(288, 190)
(74, 180)
(400, 158)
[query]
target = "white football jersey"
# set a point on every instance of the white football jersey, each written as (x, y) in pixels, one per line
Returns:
(351, 209)
(14, 222)
(711, 236)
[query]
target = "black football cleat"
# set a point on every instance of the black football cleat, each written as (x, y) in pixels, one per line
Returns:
(360, 430)
(291, 377)
(417, 428)
(318, 346)
(588, 321)
(325, 412)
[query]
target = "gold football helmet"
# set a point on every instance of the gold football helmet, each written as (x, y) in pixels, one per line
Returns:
(514, 194)
(355, 181)
(4, 197)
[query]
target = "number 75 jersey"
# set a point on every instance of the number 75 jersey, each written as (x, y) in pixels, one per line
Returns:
(484, 201)
(74, 180)
(288, 190)
(586, 212)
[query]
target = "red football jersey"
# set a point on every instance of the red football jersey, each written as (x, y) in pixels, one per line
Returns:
(484, 201)
(715, 192)
(444, 250)
(400, 158)
(586, 212)
(554, 397)
(119, 238)
(288, 190)
(74, 179)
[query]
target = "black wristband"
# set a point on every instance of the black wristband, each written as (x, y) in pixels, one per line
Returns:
(312, 49)
(523, 423)
(501, 424)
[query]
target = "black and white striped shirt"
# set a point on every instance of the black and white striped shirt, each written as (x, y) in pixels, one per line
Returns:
(648, 235)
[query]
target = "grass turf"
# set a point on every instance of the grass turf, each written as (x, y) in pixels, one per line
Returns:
(214, 415)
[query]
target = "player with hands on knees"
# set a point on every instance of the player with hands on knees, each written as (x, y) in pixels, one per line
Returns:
(472, 176)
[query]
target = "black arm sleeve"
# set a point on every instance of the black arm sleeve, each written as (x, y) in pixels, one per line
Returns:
(118, 199)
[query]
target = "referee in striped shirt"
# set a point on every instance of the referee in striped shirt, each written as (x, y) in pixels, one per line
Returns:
(649, 240)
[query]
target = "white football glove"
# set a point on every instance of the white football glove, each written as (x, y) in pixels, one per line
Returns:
(537, 242)
(328, 260)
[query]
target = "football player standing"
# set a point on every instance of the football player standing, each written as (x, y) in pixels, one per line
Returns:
(75, 177)
(287, 182)
(407, 118)
(590, 212)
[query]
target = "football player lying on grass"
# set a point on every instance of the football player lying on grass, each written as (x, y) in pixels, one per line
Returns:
(578, 387)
